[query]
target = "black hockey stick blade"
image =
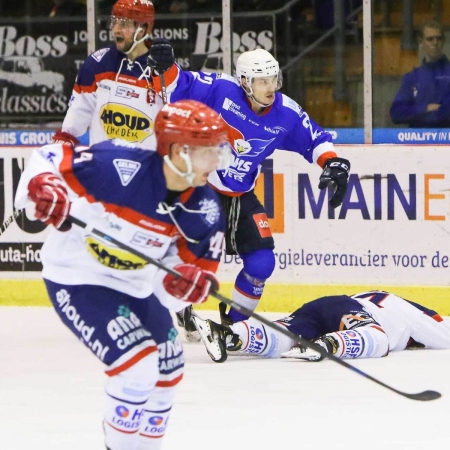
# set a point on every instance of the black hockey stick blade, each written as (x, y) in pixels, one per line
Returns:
(424, 396)
(421, 396)
(9, 220)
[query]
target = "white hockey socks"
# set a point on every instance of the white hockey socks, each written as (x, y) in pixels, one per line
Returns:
(259, 340)
(362, 342)
(155, 418)
(126, 396)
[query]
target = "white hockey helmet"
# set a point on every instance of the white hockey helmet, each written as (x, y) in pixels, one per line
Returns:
(257, 64)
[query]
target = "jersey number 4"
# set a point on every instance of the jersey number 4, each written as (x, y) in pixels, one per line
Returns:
(216, 244)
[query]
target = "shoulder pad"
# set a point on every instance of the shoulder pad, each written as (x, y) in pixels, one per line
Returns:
(291, 104)
(225, 76)
(99, 54)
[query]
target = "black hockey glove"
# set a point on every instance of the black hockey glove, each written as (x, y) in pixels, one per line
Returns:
(161, 56)
(335, 174)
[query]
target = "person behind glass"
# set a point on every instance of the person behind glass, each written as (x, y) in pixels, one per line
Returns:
(423, 100)
(113, 95)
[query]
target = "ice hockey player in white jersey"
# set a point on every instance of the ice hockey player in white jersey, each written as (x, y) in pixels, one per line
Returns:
(113, 95)
(365, 325)
(261, 120)
(116, 304)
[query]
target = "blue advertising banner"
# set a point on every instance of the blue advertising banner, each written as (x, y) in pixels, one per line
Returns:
(340, 136)
(392, 135)
(31, 138)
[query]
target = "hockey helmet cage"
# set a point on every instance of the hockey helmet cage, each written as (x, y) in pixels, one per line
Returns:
(140, 11)
(189, 122)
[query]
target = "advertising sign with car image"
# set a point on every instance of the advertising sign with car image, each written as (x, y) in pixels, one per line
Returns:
(40, 57)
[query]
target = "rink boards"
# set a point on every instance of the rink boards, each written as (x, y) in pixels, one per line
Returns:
(392, 231)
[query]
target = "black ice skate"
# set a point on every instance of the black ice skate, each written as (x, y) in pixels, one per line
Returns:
(217, 339)
(184, 319)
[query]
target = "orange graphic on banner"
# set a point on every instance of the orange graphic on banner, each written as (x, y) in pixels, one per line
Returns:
(277, 222)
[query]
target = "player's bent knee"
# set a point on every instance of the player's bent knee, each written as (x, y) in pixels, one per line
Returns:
(259, 264)
(137, 380)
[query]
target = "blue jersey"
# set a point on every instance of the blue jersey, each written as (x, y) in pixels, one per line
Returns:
(429, 83)
(284, 126)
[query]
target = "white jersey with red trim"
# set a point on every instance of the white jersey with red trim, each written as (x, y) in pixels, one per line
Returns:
(122, 192)
(405, 322)
(113, 97)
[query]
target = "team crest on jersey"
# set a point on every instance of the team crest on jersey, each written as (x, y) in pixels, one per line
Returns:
(99, 54)
(250, 147)
(126, 169)
(211, 210)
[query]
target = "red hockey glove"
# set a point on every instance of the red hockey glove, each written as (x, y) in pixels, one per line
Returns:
(51, 198)
(192, 286)
(62, 137)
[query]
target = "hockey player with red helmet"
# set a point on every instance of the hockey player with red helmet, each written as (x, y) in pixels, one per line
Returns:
(117, 305)
(113, 95)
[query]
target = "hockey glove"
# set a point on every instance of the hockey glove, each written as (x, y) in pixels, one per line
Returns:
(161, 56)
(47, 191)
(335, 174)
(327, 342)
(192, 286)
(63, 137)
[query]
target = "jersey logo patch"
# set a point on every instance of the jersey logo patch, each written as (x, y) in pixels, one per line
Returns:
(234, 108)
(99, 54)
(262, 222)
(211, 210)
(126, 169)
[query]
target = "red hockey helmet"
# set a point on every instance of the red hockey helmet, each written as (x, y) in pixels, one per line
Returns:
(141, 11)
(188, 122)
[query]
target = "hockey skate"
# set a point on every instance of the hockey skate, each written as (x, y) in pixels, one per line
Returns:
(185, 320)
(225, 319)
(217, 339)
(328, 343)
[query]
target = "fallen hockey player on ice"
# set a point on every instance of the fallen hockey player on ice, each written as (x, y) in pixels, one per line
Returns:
(365, 325)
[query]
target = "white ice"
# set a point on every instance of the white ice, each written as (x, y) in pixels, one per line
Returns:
(51, 397)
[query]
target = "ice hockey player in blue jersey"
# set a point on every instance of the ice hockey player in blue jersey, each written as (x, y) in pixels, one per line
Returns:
(365, 325)
(260, 120)
(116, 304)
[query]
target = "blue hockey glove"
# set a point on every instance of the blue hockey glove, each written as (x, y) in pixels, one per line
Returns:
(335, 174)
(161, 56)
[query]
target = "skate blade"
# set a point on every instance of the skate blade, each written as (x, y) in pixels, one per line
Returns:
(306, 355)
(215, 350)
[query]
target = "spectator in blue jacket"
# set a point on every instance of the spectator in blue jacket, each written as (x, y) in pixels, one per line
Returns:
(423, 100)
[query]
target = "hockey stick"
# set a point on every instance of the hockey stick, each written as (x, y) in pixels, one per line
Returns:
(163, 88)
(421, 396)
(9, 220)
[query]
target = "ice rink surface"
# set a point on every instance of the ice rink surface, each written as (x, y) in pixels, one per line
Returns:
(51, 397)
